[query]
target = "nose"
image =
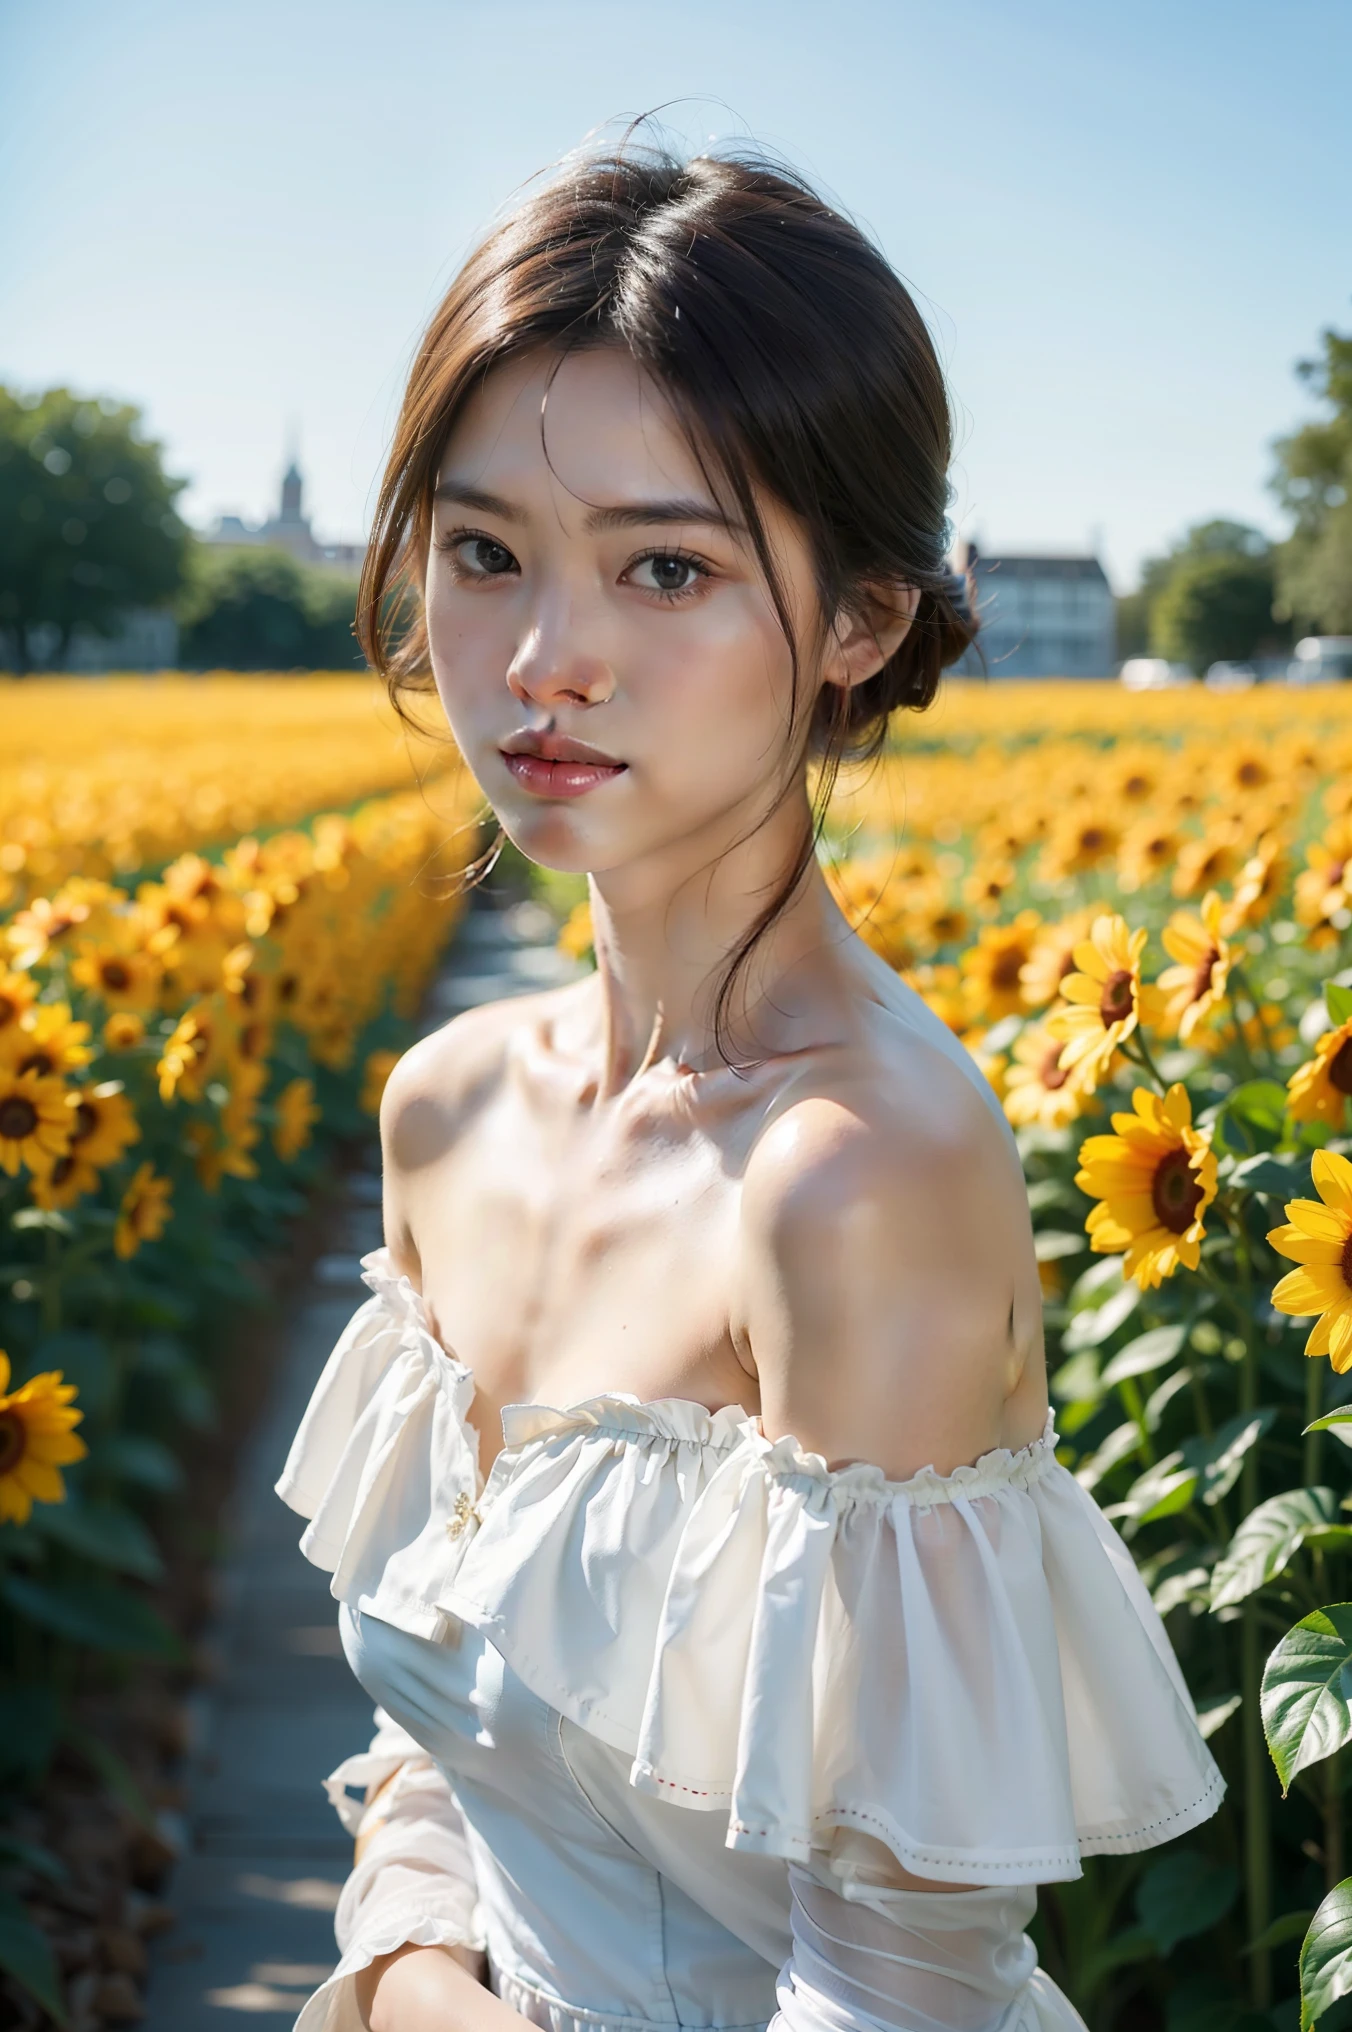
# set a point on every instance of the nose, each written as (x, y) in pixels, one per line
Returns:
(551, 667)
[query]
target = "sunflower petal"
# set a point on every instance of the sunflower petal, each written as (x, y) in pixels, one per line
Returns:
(1305, 1290)
(1333, 1179)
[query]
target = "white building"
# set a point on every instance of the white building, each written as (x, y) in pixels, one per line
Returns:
(289, 529)
(1040, 616)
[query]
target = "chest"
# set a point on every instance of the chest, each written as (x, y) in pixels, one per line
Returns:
(566, 1253)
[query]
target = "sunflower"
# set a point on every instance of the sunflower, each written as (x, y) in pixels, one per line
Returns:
(1194, 988)
(1263, 878)
(36, 1441)
(379, 1066)
(1051, 958)
(1319, 1088)
(49, 1041)
(992, 968)
(1154, 1179)
(105, 1123)
(985, 886)
(35, 1121)
(122, 973)
(144, 1212)
(939, 988)
(18, 992)
(1318, 1237)
(1148, 851)
(189, 1054)
(1103, 1000)
(123, 1031)
(1038, 1087)
(296, 1115)
(1082, 839)
(1203, 862)
(1324, 886)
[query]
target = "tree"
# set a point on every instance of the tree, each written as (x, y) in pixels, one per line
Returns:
(1216, 606)
(88, 526)
(1313, 482)
(258, 609)
(1140, 628)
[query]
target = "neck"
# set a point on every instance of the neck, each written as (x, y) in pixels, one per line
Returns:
(665, 929)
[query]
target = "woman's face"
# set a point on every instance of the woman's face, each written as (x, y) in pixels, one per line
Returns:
(602, 638)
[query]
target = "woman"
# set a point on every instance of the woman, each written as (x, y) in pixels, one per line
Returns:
(742, 1651)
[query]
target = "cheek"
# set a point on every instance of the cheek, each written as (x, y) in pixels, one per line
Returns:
(714, 691)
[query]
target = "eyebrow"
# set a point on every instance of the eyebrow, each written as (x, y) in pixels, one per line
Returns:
(639, 515)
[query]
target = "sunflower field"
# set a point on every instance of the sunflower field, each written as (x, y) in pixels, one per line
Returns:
(220, 902)
(1137, 914)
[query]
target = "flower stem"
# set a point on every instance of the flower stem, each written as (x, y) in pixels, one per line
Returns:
(1257, 1859)
(1314, 1407)
(1140, 1055)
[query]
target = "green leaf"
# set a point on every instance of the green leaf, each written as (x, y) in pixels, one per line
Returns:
(1212, 1715)
(1183, 1894)
(1089, 1329)
(50, 1218)
(1307, 1685)
(1268, 1540)
(1123, 1440)
(32, 1856)
(1077, 1381)
(1339, 1423)
(1273, 1177)
(1050, 1244)
(30, 1725)
(1290, 1926)
(1338, 1002)
(1326, 1956)
(1147, 1352)
(1220, 1458)
(104, 1617)
(26, 1955)
(1261, 1105)
(103, 1532)
(1166, 1487)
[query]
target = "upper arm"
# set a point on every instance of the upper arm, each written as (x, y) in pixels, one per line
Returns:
(889, 1290)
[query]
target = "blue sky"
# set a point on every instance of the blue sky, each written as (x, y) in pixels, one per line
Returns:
(1125, 223)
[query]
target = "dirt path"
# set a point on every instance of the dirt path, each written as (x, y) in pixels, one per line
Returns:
(256, 1891)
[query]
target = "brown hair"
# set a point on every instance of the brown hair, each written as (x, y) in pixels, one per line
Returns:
(796, 361)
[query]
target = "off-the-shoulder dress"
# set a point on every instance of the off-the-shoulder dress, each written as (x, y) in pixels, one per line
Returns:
(662, 1704)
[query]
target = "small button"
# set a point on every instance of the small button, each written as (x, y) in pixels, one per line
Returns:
(462, 1511)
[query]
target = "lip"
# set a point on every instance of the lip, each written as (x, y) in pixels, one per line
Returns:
(555, 766)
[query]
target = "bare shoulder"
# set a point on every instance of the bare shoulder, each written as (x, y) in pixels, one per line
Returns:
(889, 1289)
(433, 1095)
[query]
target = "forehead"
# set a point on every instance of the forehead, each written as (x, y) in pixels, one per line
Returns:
(595, 426)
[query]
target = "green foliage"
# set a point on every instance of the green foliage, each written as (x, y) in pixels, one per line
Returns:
(258, 609)
(1313, 482)
(1326, 1956)
(1306, 1688)
(88, 526)
(1215, 607)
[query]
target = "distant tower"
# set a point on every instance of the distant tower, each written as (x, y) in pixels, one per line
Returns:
(289, 513)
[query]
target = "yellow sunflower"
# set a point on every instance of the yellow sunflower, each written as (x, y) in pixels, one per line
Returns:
(145, 1211)
(1324, 886)
(379, 1066)
(1154, 1179)
(1194, 988)
(50, 1041)
(1051, 958)
(1319, 1088)
(18, 992)
(1264, 877)
(1318, 1237)
(992, 968)
(296, 1114)
(1203, 862)
(191, 1053)
(123, 974)
(36, 1441)
(1081, 839)
(35, 1122)
(123, 1031)
(1038, 1087)
(939, 987)
(105, 1123)
(1104, 999)
(1148, 851)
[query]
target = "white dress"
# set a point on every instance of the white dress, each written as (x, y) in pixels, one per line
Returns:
(666, 1699)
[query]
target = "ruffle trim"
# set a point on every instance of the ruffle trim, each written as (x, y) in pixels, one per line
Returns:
(333, 2007)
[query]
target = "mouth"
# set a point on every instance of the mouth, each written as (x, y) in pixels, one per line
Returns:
(555, 766)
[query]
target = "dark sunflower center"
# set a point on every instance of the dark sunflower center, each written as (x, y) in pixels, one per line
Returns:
(116, 975)
(1091, 839)
(61, 1170)
(13, 1440)
(86, 1122)
(1175, 1193)
(1005, 972)
(40, 1062)
(1067, 965)
(1053, 1074)
(1347, 1261)
(1250, 773)
(1202, 980)
(1340, 1067)
(9, 1010)
(18, 1118)
(1115, 1001)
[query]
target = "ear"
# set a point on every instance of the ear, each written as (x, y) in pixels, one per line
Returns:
(862, 639)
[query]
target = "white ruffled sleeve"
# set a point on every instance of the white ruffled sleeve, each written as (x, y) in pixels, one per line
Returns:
(415, 1883)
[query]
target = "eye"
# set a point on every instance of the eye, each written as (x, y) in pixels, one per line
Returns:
(477, 556)
(669, 572)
